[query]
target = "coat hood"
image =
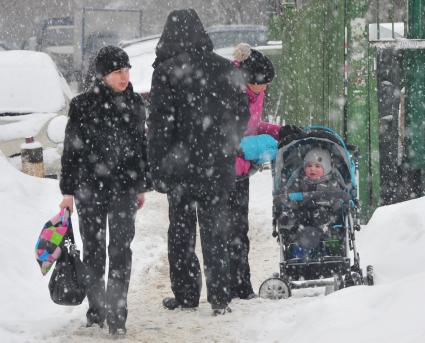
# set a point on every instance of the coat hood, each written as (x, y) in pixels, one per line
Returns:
(183, 32)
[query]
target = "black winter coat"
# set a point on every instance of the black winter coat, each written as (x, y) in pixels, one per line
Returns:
(105, 144)
(199, 110)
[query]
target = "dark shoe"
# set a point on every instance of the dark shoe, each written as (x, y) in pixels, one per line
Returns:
(218, 310)
(117, 331)
(172, 304)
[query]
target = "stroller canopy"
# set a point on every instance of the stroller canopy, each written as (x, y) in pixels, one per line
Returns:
(290, 157)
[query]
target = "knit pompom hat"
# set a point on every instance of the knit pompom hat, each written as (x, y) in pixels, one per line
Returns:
(319, 155)
(111, 58)
(256, 68)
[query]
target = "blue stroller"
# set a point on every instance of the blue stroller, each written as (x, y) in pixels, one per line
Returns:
(315, 230)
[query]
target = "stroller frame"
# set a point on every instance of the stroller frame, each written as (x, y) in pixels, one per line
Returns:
(331, 272)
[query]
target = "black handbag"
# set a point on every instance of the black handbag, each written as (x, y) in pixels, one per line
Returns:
(69, 280)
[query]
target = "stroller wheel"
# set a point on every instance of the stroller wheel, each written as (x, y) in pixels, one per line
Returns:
(274, 288)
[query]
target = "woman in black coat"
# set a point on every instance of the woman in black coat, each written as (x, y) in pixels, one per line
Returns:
(104, 170)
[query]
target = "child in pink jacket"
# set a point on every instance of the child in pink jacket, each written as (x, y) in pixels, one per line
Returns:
(258, 72)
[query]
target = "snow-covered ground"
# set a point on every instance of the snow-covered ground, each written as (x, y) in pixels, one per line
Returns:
(389, 312)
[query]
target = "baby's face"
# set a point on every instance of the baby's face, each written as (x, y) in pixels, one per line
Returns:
(313, 171)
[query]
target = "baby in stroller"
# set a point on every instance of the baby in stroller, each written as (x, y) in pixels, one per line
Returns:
(315, 214)
(314, 228)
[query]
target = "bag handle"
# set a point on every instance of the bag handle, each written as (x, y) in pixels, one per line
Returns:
(64, 215)
(66, 221)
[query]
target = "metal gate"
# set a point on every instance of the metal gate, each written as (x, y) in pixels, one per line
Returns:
(396, 40)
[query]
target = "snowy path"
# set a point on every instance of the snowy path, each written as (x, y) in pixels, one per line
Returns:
(390, 312)
(385, 313)
(148, 321)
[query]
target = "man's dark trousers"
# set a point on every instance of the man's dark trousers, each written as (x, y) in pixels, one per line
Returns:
(209, 208)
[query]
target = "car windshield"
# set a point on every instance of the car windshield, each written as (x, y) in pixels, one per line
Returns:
(58, 36)
(231, 38)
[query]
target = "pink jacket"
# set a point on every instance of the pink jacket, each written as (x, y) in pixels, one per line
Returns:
(255, 124)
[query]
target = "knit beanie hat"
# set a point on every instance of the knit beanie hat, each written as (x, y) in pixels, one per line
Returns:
(256, 68)
(110, 58)
(322, 156)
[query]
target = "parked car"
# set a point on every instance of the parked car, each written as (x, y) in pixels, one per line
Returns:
(34, 95)
(56, 37)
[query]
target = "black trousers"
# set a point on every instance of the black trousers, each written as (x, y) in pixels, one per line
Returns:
(95, 209)
(186, 208)
(239, 241)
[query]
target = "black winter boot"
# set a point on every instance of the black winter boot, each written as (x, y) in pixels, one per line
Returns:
(93, 318)
(172, 303)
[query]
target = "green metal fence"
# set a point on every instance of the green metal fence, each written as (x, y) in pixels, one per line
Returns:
(334, 65)
(313, 94)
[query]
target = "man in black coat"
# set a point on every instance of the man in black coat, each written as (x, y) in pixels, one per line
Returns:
(104, 170)
(199, 112)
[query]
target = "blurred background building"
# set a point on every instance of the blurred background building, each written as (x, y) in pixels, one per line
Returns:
(21, 19)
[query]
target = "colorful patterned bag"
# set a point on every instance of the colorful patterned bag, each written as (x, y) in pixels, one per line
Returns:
(48, 247)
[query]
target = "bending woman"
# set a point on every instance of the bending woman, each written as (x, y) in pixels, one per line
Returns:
(258, 72)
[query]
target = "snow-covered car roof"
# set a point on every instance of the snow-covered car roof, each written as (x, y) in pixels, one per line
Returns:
(272, 46)
(234, 27)
(229, 35)
(133, 42)
(31, 83)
